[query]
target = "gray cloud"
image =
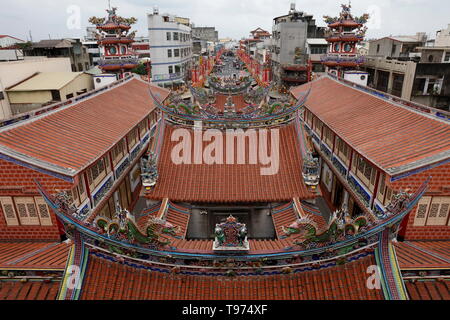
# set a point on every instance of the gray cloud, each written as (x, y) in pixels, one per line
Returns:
(233, 18)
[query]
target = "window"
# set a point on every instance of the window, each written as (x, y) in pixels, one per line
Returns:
(69, 96)
(44, 212)
(73, 194)
(143, 128)
(9, 211)
(169, 36)
(153, 118)
(27, 211)
(82, 189)
(365, 172)
(170, 69)
(56, 96)
(438, 212)
(177, 69)
(176, 52)
(343, 150)
(389, 194)
(31, 211)
(447, 57)
(382, 188)
(169, 53)
(132, 138)
(176, 36)
(394, 49)
(2, 95)
(318, 126)
(118, 152)
(337, 47)
(96, 173)
(328, 137)
(422, 212)
(434, 86)
(309, 118)
(378, 48)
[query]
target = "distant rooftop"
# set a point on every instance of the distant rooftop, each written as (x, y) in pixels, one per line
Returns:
(317, 41)
(419, 37)
(395, 138)
(46, 81)
(7, 36)
(58, 43)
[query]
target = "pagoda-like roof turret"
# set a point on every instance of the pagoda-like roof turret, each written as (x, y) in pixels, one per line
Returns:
(113, 21)
(346, 19)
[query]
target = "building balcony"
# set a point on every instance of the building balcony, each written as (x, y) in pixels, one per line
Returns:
(117, 63)
(294, 79)
(294, 67)
(342, 60)
(345, 38)
(167, 77)
(115, 40)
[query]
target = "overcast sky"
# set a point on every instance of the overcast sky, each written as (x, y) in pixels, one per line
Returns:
(232, 18)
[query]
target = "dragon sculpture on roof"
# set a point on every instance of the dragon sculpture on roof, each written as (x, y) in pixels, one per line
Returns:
(124, 228)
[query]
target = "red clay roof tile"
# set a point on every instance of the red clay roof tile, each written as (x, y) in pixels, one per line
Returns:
(126, 282)
(430, 289)
(423, 254)
(74, 137)
(231, 183)
(29, 290)
(388, 135)
(30, 255)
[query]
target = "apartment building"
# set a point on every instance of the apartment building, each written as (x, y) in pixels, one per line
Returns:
(170, 48)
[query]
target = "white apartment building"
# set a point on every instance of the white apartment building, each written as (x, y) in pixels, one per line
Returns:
(90, 42)
(170, 48)
(443, 37)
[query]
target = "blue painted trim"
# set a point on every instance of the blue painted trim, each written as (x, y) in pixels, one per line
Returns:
(169, 29)
(340, 166)
(410, 173)
(35, 168)
(140, 265)
(171, 46)
(167, 63)
(168, 80)
(105, 76)
(102, 191)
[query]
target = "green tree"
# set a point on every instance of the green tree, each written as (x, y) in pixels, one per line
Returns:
(140, 69)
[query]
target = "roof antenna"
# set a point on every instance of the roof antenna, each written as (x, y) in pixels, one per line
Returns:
(109, 4)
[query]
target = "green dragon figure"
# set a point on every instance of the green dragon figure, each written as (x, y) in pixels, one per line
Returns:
(339, 227)
(125, 229)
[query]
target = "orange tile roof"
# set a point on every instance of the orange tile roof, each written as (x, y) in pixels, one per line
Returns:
(106, 280)
(179, 217)
(423, 255)
(434, 289)
(394, 138)
(29, 290)
(231, 183)
(33, 255)
(70, 139)
(283, 217)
